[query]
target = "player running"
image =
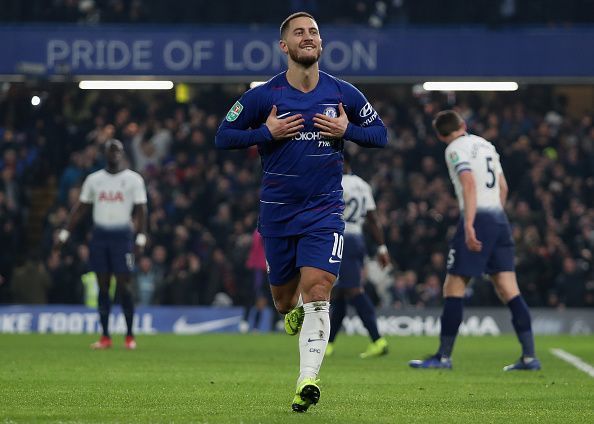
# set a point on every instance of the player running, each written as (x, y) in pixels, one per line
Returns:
(482, 243)
(299, 120)
(359, 209)
(116, 194)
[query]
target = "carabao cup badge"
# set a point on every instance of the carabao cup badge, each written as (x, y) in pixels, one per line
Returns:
(234, 112)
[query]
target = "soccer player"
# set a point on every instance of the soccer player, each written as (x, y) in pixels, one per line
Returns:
(116, 194)
(482, 243)
(359, 209)
(299, 120)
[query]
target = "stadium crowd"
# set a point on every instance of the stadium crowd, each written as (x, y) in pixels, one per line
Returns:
(374, 13)
(203, 203)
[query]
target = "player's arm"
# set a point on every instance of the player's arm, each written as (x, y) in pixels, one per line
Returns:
(469, 194)
(140, 213)
(79, 211)
(249, 123)
(374, 228)
(503, 189)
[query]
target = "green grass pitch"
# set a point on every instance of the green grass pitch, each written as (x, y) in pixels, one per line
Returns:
(250, 379)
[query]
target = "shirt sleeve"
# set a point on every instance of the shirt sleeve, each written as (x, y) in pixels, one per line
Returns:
(458, 159)
(139, 191)
(243, 125)
(87, 194)
(365, 126)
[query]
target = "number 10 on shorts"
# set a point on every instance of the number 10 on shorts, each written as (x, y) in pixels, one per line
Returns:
(338, 245)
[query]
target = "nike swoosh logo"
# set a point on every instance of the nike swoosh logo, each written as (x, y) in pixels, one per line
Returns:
(181, 326)
(283, 114)
(333, 261)
(315, 340)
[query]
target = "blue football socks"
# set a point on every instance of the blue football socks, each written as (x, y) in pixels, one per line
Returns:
(451, 318)
(522, 324)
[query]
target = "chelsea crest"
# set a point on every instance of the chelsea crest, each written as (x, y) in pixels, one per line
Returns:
(331, 112)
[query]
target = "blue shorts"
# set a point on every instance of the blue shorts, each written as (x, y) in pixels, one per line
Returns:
(352, 262)
(111, 251)
(497, 254)
(285, 255)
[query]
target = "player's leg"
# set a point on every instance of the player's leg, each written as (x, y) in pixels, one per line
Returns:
(349, 289)
(451, 318)
(126, 295)
(338, 307)
(283, 276)
(287, 301)
(366, 311)
(99, 263)
(104, 301)
(501, 269)
(315, 285)
(506, 286)
(122, 261)
(104, 308)
(318, 258)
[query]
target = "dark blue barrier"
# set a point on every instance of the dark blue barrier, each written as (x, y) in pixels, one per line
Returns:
(348, 52)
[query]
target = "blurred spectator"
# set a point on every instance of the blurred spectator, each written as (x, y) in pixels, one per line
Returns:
(146, 282)
(31, 283)
(571, 285)
(257, 294)
(203, 203)
(375, 14)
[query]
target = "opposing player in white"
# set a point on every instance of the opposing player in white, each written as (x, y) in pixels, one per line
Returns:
(483, 242)
(348, 289)
(117, 195)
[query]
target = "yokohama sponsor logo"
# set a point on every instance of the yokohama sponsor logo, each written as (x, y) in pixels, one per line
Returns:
(308, 136)
(404, 325)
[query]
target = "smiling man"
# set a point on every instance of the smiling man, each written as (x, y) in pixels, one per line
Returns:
(299, 121)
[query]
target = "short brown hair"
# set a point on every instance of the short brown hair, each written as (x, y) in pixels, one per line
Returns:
(287, 21)
(447, 121)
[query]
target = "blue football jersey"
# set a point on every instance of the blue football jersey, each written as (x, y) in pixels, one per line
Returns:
(301, 182)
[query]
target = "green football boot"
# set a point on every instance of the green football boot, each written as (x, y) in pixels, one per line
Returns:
(329, 350)
(294, 321)
(307, 394)
(377, 348)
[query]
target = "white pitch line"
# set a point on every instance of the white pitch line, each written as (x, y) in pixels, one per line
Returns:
(574, 360)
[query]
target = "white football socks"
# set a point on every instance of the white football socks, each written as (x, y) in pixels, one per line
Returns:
(299, 302)
(313, 338)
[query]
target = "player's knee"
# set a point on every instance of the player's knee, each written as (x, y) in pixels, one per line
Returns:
(318, 292)
(454, 286)
(353, 292)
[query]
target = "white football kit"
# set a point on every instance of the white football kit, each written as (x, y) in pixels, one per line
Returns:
(358, 200)
(113, 197)
(470, 153)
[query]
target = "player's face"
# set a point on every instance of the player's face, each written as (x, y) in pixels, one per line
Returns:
(114, 154)
(302, 41)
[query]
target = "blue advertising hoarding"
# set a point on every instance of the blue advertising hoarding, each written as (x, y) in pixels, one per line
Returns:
(348, 52)
(67, 319)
